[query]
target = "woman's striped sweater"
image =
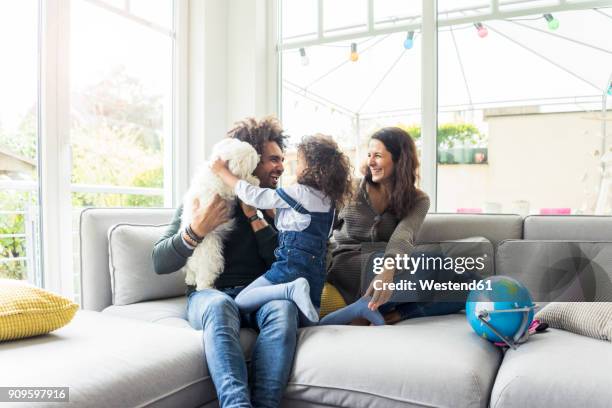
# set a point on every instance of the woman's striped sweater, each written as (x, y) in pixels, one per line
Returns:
(361, 231)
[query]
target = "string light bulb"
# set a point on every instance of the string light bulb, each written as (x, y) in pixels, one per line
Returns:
(481, 29)
(553, 23)
(409, 41)
(304, 57)
(354, 53)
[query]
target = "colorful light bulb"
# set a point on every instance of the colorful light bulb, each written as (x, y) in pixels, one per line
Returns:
(354, 53)
(610, 89)
(409, 41)
(304, 57)
(482, 30)
(553, 23)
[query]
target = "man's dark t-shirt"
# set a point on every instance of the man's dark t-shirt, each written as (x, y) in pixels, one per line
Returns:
(247, 254)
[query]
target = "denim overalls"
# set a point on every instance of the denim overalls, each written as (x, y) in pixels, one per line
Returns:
(302, 253)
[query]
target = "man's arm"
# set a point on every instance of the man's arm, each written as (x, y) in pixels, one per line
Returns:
(171, 251)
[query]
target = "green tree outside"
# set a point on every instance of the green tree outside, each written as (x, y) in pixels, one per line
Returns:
(451, 135)
(115, 140)
(456, 142)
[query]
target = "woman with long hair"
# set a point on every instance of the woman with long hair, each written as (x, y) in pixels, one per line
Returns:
(382, 219)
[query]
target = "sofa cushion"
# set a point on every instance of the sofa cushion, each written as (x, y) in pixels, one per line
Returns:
(555, 369)
(593, 319)
(133, 278)
(93, 230)
(171, 312)
(432, 361)
(472, 247)
(495, 227)
(112, 362)
(27, 311)
(559, 270)
(568, 227)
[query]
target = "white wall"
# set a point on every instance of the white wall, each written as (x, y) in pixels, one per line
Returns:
(247, 53)
(230, 68)
(207, 76)
(544, 158)
(462, 186)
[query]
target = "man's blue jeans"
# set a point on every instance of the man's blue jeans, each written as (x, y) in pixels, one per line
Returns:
(216, 313)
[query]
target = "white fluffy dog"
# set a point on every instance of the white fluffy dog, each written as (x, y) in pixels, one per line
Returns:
(206, 263)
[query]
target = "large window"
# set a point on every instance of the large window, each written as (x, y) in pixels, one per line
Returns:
(522, 109)
(94, 109)
(19, 198)
(120, 106)
(345, 84)
(523, 94)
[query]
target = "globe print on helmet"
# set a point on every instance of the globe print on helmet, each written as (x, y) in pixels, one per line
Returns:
(502, 311)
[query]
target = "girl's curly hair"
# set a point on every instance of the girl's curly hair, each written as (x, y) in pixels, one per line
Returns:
(327, 168)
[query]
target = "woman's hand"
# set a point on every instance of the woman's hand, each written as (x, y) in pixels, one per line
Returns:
(383, 294)
(218, 165)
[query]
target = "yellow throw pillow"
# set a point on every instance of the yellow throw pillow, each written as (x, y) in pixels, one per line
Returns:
(331, 300)
(27, 311)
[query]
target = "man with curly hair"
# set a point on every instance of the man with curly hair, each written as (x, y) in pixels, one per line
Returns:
(248, 252)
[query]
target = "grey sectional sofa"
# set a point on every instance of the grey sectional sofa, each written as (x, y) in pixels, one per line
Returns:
(145, 354)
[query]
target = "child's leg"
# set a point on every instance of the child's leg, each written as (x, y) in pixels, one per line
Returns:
(261, 291)
(353, 311)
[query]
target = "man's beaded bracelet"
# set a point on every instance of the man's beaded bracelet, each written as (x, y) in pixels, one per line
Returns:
(193, 235)
(187, 240)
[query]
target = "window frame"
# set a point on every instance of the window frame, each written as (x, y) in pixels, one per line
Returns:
(429, 24)
(54, 159)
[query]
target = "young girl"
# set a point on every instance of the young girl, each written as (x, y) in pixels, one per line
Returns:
(305, 216)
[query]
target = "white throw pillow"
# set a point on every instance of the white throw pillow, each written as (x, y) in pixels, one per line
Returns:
(133, 278)
(592, 319)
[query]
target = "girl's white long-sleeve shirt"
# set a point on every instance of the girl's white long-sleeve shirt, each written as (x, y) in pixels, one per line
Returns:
(287, 218)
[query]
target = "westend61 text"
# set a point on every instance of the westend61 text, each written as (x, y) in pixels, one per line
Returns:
(426, 263)
(430, 285)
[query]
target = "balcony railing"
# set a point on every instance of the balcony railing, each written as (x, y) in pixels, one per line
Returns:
(27, 232)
